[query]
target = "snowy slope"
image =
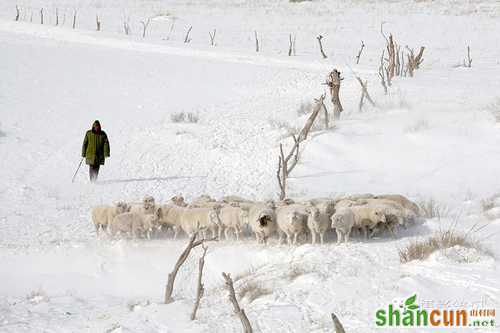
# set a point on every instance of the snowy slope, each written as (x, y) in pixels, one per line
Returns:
(433, 136)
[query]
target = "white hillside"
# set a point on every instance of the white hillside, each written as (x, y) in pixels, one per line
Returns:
(433, 136)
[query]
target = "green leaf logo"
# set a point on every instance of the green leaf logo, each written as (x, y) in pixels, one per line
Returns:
(412, 307)
(410, 301)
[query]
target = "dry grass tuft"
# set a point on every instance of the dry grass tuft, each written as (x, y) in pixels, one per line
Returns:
(421, 249)
(431, 209)
(183, 117)
(252, 290)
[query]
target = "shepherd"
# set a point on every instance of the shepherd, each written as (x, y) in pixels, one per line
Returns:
(95, 149)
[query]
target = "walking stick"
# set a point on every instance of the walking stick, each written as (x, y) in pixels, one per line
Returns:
(79, 165)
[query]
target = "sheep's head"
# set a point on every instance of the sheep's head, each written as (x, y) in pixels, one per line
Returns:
(148, 202)
(178, 200)
(378, 216)
(122, 207)
(313, 214)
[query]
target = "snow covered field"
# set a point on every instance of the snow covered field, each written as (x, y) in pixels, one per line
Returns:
(432, 136)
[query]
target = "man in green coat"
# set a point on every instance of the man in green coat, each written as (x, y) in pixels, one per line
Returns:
(95, 149)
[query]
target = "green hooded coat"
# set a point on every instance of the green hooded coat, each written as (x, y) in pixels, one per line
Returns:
(95, 146)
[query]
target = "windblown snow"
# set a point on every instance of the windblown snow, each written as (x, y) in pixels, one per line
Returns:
(433, 136)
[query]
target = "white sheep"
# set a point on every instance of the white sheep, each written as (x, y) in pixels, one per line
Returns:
(403, 201)
(134, 224)
(103, 215)
(178, 200)
(292, 221)
(202, 219)
(342, 222)
(262, 221)
(233, 217)
(170, 218)
(366, 217)
(316, 224)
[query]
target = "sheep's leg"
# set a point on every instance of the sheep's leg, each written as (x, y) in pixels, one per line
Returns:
(288, 238)
(237, 233)
(392, 231)
(374, 231)
(339, 236)
(175, 229)
(321, 237)
(313, 237)
(365, 232)
(346, 235)
(280, 239)
(295, 235)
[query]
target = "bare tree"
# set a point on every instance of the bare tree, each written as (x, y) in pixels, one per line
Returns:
(126, 25)
(381, 73)
(319, 38)
(200, 291)
(284, 169)
(187, 39)
(291, 45)
(182, 258)
(364, 93)
(145, 25)
(247, 327)
(414, 61)
(333, 81)
(18, 13)
(74, 18)
(41, 15)
(212, 37)
(257, 46)
(97, 23)
(337, 324)
(360, 51)
(468, 64)
(171, 28)
(288, 163)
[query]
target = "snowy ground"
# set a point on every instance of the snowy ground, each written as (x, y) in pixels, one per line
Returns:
(433, 136)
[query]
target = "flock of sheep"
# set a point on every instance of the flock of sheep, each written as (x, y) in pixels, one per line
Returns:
(368, 213)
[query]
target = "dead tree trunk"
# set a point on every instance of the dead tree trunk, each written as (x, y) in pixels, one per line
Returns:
(200, 291)
(145, 25)
(291, 45)
(391, 57)
(182, 258)
(247, 327)
(74, 19)
(18, 13)
(57, 17)
(337, 324)
(212, 37)
(381, 73)
(333, 81)
(97, 23)
(41, 16)
(360, 51)
(257, 47)
(364, 93)
(319, 38)
(187, 39)
(327, 125)
(468, 64)
(126, 25)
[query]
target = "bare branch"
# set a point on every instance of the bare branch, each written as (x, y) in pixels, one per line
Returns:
(74, 18)
(319, 38)
(41, 15)
(145, 25)
(18, 13)
(212, 37)
(364, 93)
(309, 123)
(360, 51)
(468, 64)
(200, 291)
(57, 16)
(337, 324)
(247, 327)
(257, 47)
(182, 258)
(97, 23)
(187, 39)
